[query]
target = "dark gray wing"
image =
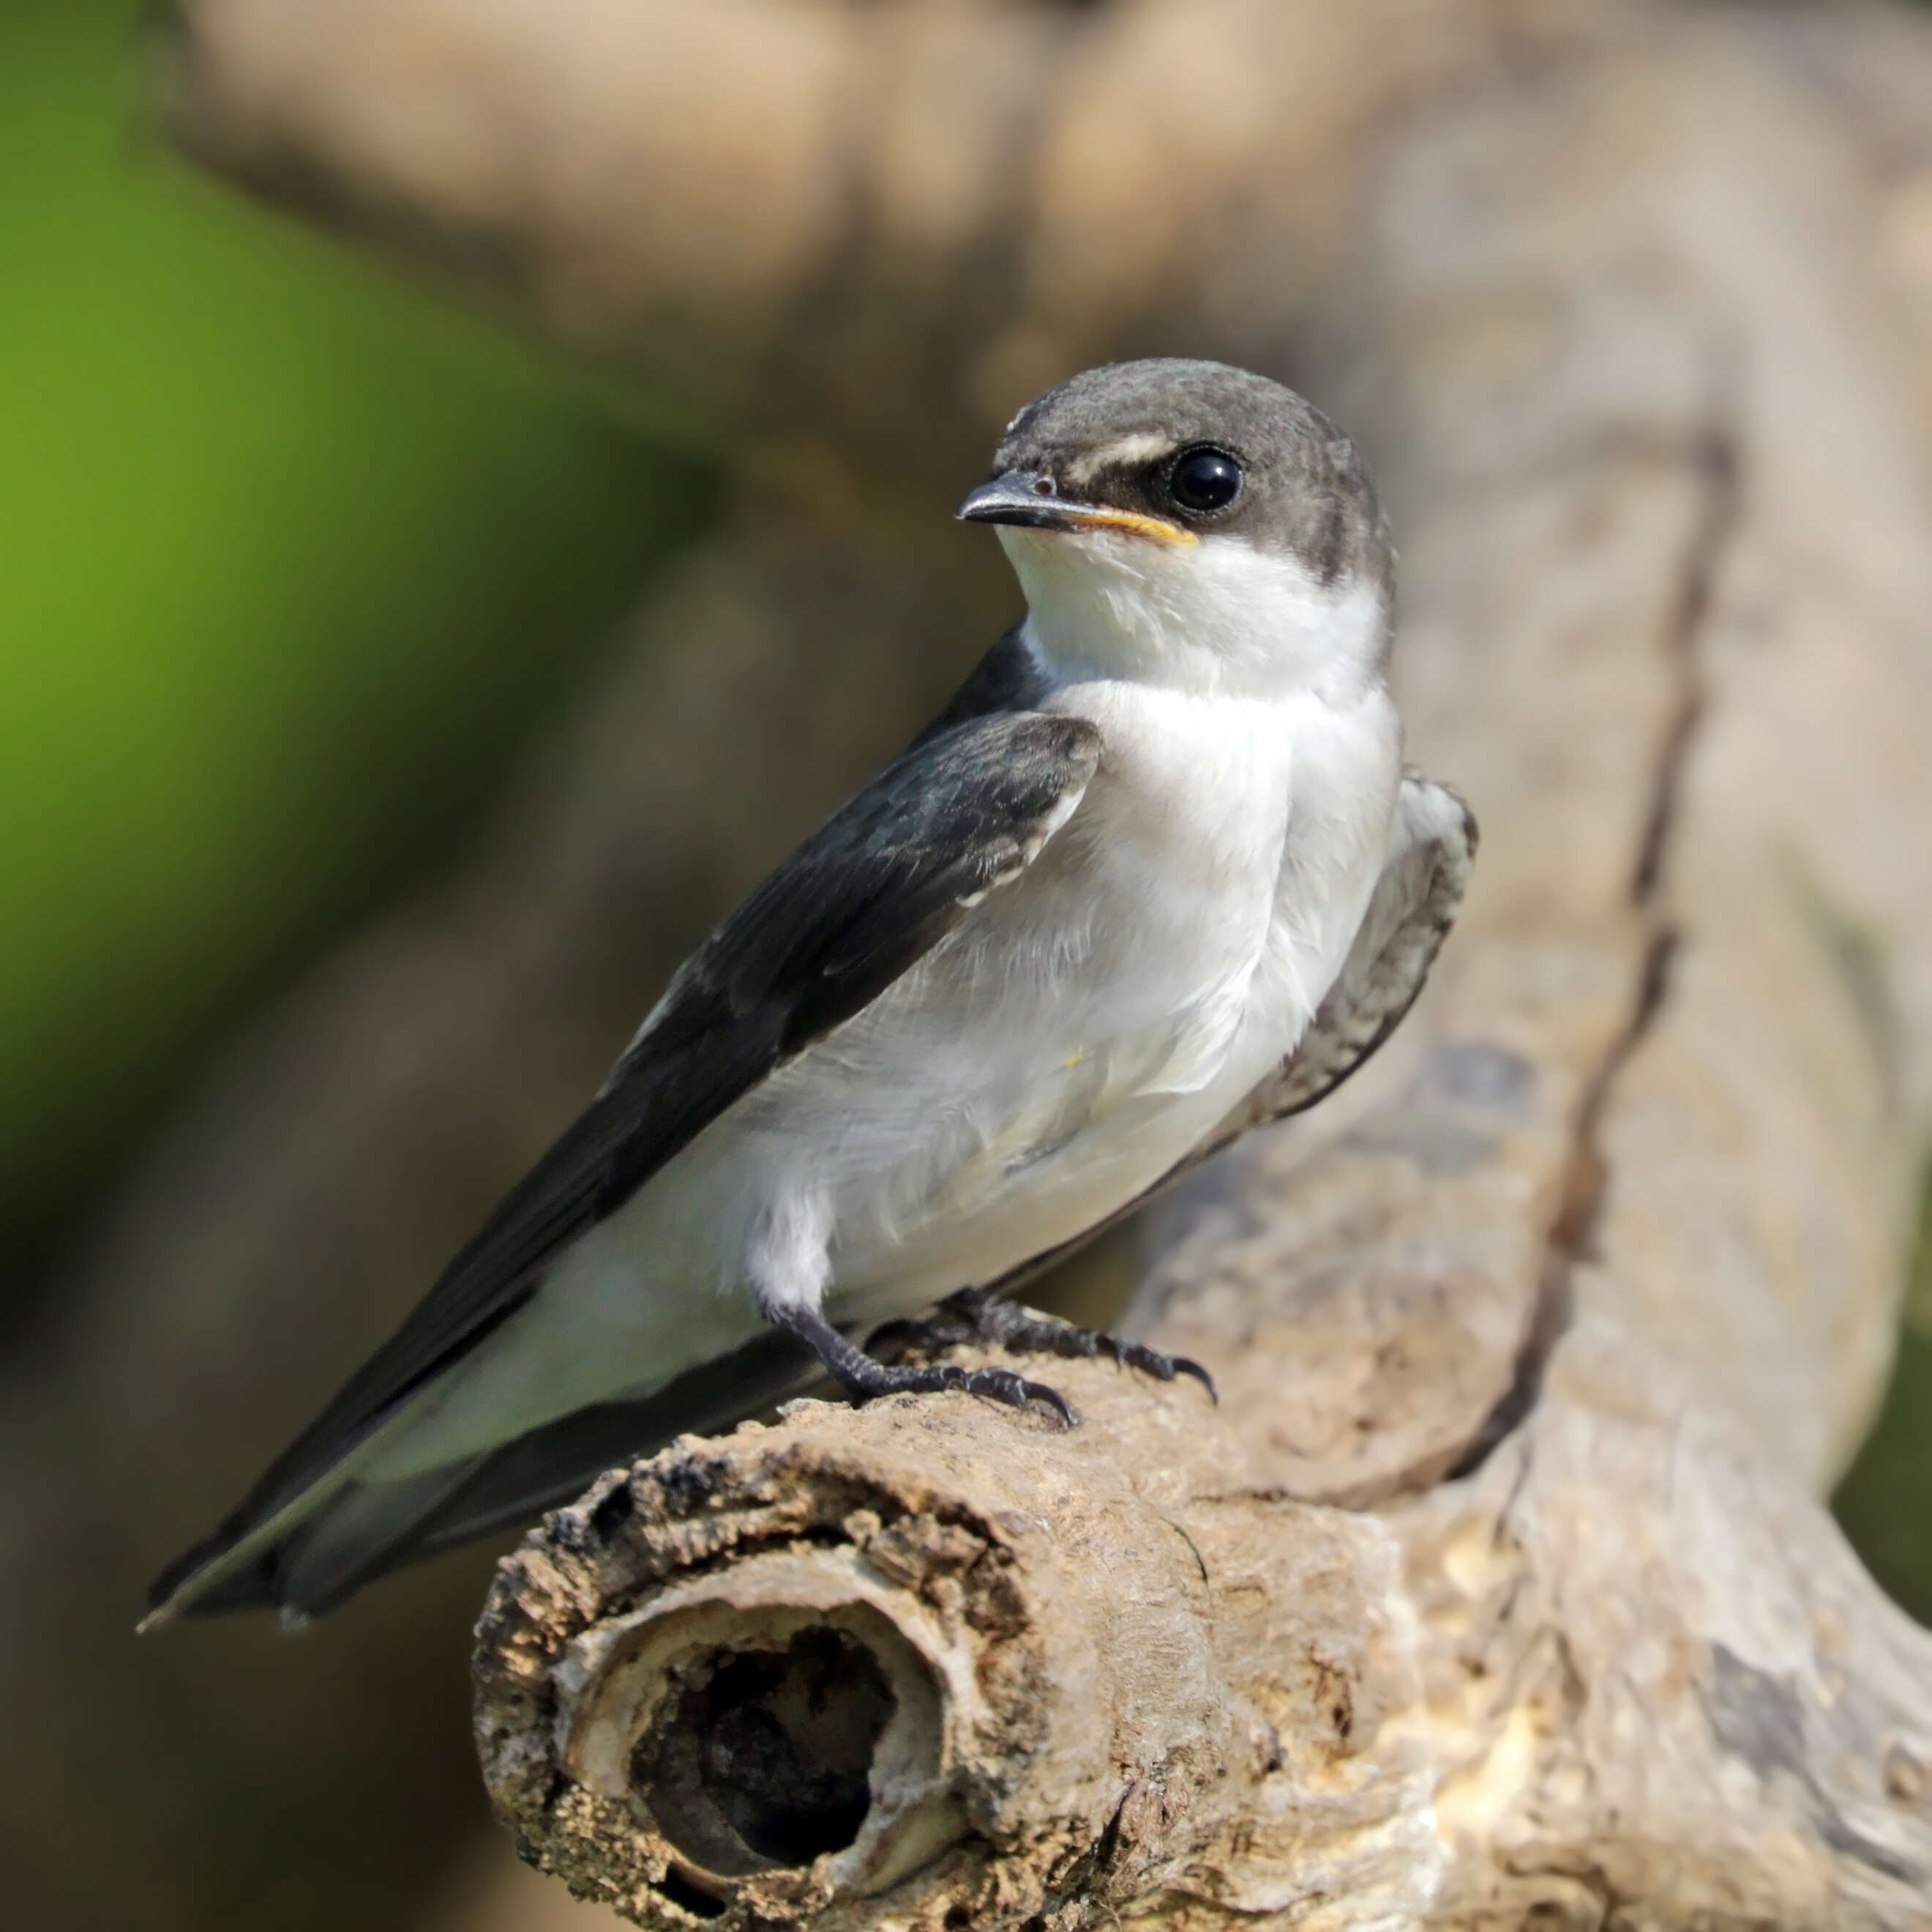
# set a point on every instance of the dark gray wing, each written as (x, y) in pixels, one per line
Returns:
(1431, 850)
(360, 1533)
(868, 896)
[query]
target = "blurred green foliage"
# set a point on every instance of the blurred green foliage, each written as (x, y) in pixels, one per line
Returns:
(289, 552)
(1885, 1503)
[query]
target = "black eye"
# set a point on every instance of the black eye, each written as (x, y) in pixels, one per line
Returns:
(1205, 480)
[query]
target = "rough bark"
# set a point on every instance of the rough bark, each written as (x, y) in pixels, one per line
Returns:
(1498, 1589)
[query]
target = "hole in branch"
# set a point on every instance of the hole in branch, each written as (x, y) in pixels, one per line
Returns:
(760, 1758)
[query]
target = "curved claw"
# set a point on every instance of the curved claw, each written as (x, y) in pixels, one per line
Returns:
(865, 1379)
(977, 1315)
(1003, 1385)
(1187, 1365)
(1050, 1398)
(1162, 1368)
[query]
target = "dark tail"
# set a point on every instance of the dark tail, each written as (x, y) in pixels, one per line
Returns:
(368, 1529)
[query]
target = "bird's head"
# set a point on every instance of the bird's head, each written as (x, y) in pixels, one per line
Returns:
(1190, 524)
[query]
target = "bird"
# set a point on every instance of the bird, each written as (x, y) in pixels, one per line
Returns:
(1157, 873)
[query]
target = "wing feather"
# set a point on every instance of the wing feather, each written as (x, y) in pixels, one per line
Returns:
(860, 902)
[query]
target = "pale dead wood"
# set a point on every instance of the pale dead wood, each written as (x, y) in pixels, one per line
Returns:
(1498, 1588)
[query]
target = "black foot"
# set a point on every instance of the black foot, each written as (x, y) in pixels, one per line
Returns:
(979, 1315)
(862, 1378)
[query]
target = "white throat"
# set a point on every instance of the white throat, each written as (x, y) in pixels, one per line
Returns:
(1219, 615)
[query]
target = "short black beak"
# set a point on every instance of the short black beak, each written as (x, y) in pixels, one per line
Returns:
(1022, 496)
(1032, 501)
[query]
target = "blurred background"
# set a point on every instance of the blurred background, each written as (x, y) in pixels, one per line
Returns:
(315, 586)
(300, 566)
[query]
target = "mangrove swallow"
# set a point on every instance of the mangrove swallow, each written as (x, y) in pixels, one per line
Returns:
(1155, 875)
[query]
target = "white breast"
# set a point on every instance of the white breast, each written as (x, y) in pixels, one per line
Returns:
(1075, 1037)
(1081, 1034)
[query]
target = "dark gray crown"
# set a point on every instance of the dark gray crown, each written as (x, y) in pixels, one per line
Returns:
(1305, 490)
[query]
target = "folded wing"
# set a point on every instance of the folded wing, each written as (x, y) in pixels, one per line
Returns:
(962, 813)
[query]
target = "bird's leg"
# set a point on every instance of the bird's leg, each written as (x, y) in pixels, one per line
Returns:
(983, 1315)
(863, 1378)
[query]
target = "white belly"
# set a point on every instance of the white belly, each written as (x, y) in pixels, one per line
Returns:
(1076, 1035)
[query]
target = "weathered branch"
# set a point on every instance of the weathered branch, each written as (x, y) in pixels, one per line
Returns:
(1619, 1665)
(890, 224)
(1498, 1588)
